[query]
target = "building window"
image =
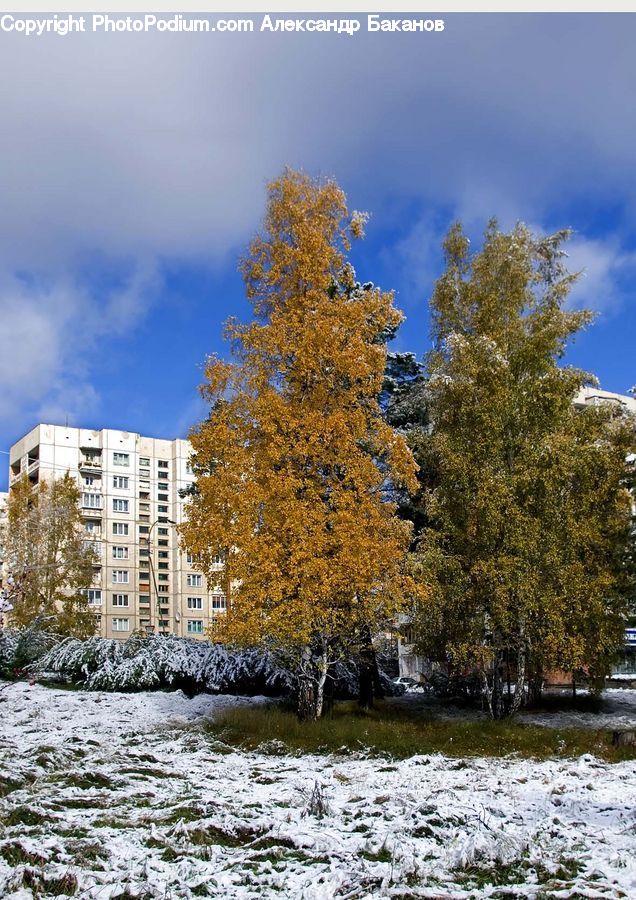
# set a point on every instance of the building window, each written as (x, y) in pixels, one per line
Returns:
(218, 601)
(195, 626)
(194, 580)
(120, 552)
(120, 576)
(162, 531)
(163, 588)
(162, 577)
(121, 481)
(144, 460)
(195, 602)
(217, 561)
(144, 598)
(163, 565)
(89, 480)
(121, 624)
(163, 497)
(95, 546)
(93, 595)
(120, 527)
(162, 464)
(121, 459)
(188, 467)
(120, 505)
(120, 599)
(162, 509)
(92, 501)
(143, 529)
(91, 526)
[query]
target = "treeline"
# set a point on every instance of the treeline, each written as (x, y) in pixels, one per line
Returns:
(347, 488)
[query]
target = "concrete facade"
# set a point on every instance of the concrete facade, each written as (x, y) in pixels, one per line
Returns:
(130, 502)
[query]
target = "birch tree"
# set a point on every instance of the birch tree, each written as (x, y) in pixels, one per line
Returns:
(48, 561)
(525, 544)
(295, 460)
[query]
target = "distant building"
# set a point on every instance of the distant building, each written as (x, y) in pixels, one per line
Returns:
(590, 396)
(4, 498)
(130, 502)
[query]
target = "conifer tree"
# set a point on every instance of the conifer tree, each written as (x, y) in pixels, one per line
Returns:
(295, 460)
(525, 512)
(48, 562)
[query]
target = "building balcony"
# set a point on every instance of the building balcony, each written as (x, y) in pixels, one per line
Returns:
(87, 464)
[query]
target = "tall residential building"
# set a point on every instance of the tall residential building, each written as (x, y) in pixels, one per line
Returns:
(130, 502)
(592, 396)
(4, 497)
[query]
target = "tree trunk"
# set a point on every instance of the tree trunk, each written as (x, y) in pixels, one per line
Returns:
(487, 691)
(311, 685)
(328, 699)
(498, 709)
(535, 688)
(369, 685)
(517, 700)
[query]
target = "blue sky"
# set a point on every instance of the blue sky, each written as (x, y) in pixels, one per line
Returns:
(133, 172)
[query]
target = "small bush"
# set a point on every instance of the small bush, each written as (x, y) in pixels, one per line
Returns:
(20, 650)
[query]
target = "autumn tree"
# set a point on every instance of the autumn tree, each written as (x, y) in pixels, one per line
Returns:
(524, 508)
(48, 562)
(295, 461)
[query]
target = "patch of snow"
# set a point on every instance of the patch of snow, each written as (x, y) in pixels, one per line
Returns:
(129, 792)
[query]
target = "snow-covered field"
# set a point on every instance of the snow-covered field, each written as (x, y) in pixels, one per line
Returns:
(125, 795)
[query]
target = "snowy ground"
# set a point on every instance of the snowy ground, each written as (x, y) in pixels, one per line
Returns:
(120, 795)
(617, 711)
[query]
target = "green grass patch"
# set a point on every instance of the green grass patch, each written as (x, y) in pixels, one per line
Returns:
(15, 854)
(85, 781)
(400, 733)
(24, 815)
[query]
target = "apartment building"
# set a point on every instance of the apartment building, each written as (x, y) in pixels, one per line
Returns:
(4, 497)
(131, 504)
(591, 396)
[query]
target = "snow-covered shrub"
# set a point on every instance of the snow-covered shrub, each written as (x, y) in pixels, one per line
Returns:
(160, 661)
(141, 663)
(20, 650)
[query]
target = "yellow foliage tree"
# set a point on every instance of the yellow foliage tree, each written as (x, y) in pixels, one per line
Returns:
(294, 464)
(49, 565)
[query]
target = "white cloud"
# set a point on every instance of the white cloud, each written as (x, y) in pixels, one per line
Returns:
(158, 147)
(607, 273)
(48, 337)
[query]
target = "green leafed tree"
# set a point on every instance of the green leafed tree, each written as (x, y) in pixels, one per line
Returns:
(524, 509)
(48, 561)
(294, 462)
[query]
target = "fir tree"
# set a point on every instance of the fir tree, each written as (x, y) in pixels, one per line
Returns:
(295, 458)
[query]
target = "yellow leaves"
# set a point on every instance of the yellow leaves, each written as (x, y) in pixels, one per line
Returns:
(298, 449)
(358, 222)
